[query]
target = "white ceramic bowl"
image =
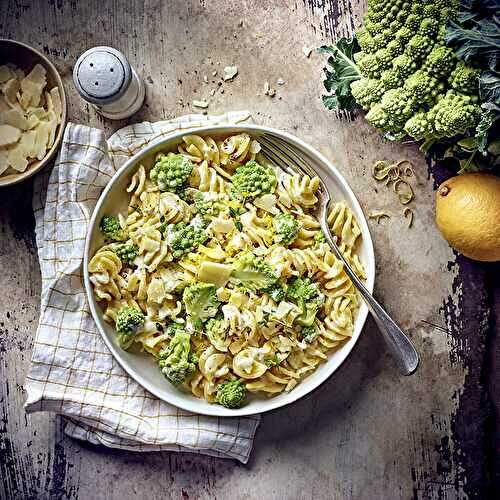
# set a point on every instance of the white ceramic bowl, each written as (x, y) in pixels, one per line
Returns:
(142, 367)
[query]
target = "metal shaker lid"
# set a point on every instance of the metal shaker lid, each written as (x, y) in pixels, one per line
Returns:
(102, 75)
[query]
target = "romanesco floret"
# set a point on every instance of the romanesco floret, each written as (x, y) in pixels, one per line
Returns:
(127, 252)
(173, 328)
(184, 238)
(399, 104)
(231, 394)
(390, 79)
(404, 34)
(253, 273)
(419, 126)
(216, 330)
(395, 48)
(413, 22)
(111, 228)
(418, 47)
(428, 27)
(308, 333)
(421, 86)
(200, 301)
(454, 114)
(319, 238)
(276, 292)
(176, 361)
(440, 61)
(171, 172)
(367, 91)
(365, 40)
(307, 296)
(205, 204)
(128, 321)
(369, 66)
(287, 228)
(384, 58)
(252, 179)
(379, 118)
(464, 79)
(404, 65)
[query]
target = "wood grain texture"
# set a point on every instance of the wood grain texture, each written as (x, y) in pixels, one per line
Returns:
(366, 433)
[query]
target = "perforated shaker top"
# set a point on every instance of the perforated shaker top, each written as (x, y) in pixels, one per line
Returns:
(102, 75)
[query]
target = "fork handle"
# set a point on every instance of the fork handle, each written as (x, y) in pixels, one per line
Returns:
(400, 346)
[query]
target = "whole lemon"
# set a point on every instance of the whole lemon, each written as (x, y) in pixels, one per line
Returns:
(468, 215)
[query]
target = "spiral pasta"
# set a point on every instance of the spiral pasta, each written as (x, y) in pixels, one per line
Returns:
(195, 226)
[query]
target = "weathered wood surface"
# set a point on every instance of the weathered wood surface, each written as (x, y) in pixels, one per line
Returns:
(366, 433)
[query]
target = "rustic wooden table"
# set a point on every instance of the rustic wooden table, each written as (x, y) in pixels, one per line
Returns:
(367, 433)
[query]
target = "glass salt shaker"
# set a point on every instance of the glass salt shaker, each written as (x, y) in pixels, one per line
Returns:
(104, 78)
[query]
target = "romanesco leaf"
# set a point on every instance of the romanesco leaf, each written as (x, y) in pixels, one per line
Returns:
(341, 73)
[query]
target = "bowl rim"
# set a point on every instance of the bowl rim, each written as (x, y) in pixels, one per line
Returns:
(21, 176)
(208, 408)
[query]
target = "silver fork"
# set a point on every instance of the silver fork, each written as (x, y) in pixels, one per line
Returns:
(285, 157)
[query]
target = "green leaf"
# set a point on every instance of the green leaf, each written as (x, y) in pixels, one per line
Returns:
(342, 71)
(488, 118)
(489, 86)
(479, 45)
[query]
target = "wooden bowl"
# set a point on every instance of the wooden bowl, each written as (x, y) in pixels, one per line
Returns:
(25, 58)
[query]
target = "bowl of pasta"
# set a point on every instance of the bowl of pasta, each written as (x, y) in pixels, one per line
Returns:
(210, 280)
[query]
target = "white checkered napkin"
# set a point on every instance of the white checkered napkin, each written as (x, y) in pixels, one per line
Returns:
(72, 372)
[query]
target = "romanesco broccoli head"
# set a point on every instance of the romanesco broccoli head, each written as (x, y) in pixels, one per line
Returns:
(184, 238)
(128, 321)
(253, 273)
(171, 172)
(127, 252)
(464, 79)
(287, 228)
(231, 394)
(307, 296)
(200, 301)
(251, 180)
(308, 333)
(176, 361)
(111, 228)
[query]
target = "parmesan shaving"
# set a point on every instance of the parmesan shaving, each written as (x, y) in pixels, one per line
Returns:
(29, 116)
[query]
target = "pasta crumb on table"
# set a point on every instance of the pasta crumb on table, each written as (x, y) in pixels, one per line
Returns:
(220, 271)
